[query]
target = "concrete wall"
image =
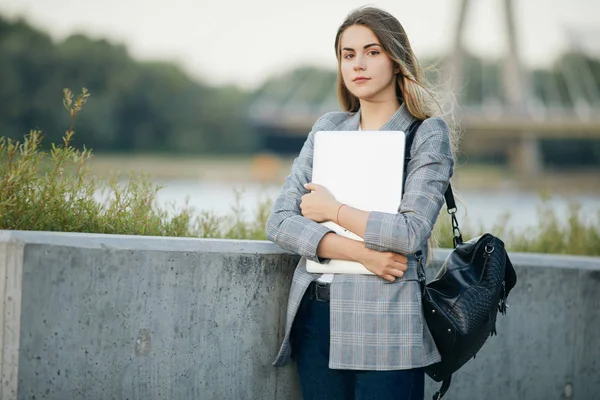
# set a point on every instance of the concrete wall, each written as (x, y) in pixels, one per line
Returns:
(128, 317)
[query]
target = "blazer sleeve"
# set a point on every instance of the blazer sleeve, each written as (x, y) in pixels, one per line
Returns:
(286, 226)
(429, 173)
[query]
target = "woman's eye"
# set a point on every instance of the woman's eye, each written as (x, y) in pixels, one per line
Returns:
(373, 52)
(349, 55)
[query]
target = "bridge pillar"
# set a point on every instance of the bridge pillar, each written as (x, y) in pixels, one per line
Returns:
(525, 156)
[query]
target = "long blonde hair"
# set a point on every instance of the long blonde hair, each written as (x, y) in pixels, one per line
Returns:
(412, 87)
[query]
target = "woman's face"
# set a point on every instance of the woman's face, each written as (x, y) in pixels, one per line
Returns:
(366, 69)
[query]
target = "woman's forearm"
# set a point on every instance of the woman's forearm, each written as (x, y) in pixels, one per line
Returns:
(334, 246)
(353, 219)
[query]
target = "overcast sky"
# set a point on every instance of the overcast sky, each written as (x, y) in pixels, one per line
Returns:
(243, 42)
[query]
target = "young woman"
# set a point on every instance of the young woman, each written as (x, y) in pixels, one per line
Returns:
(364, 336)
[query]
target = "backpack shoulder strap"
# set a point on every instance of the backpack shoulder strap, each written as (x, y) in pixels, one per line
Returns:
(410, 137)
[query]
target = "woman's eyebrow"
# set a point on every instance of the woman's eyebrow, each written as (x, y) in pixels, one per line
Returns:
(365, 47)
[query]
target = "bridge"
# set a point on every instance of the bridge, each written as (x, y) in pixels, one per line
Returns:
(511, 117)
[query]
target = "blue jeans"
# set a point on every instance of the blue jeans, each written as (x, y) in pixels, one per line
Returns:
(310, 346)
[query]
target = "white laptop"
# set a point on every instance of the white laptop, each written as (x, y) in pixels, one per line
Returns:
(363, 169)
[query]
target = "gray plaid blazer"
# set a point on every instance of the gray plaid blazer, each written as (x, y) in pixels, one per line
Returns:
(375, 324)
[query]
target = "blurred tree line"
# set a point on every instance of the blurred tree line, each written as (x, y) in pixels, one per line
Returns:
(146, 107)
(134, 106)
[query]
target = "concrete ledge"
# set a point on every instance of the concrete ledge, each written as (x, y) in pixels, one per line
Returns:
(88, 316)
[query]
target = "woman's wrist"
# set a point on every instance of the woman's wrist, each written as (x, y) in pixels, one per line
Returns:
(362, 254)
(334, 212)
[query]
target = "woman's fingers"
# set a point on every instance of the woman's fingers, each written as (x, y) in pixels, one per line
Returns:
(401, 258)
(395, 272)
(388, 266)
(390, 274)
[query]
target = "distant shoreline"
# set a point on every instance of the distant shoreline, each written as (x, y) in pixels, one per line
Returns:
(268, 169)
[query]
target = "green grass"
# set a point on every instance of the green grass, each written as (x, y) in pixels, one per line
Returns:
(576, 236)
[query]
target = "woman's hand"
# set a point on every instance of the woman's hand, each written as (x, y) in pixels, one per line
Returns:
(319, 205)
(387, 265)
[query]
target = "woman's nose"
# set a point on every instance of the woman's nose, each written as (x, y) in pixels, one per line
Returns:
(358, 65)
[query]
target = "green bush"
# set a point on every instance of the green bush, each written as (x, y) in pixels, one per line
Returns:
(55, 192)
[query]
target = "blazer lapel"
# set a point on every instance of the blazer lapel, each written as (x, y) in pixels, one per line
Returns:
(350, 124)
(400, 121)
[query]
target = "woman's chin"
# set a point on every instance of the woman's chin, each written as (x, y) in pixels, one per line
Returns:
(366, 95)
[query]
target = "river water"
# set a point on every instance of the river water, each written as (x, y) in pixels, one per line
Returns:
(476, 208)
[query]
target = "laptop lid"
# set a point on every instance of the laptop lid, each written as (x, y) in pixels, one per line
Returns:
(362, 169)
